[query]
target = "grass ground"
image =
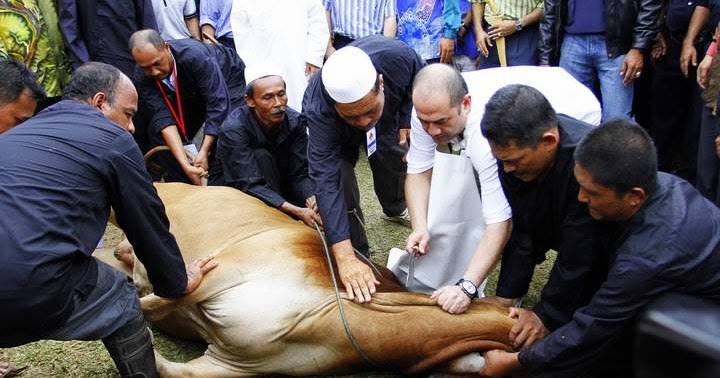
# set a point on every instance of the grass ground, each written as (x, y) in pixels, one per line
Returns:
(78, 359)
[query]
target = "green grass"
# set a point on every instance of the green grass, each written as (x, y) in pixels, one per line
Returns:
(79, 359)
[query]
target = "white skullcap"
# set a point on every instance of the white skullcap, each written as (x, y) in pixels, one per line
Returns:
(348, 75)
(261, 69)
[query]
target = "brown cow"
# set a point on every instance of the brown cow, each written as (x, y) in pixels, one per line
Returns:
(270, 306)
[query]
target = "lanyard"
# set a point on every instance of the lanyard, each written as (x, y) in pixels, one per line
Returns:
(178, 116)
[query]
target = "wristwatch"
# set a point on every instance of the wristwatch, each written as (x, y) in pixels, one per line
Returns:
(518, 25)
(468, 288)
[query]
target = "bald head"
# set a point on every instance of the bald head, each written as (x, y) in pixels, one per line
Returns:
(151, 53)
(146, 39)
(438, 78)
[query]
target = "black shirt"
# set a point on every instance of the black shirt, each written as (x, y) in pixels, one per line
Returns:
(547, 215)
(332, 139)
(240, 138)
(60, 172)
(672, 244)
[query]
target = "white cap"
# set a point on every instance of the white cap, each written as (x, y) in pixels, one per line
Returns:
(259, 70)
(348, 75)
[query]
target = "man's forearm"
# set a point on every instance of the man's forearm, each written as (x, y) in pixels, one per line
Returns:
(171, 136)
(417, 194)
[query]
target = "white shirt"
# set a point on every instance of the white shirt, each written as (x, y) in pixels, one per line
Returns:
(566, 95)
(170, 16)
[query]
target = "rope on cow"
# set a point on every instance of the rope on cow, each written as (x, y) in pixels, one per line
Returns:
(341, 308)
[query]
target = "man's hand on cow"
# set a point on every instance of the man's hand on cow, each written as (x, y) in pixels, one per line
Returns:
(196, 271)
(309, 217)
(418, 241)
(451, 299)
(356, 276)
(499, 363)
(527, 329)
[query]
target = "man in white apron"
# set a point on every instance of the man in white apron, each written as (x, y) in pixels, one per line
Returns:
(459, 213)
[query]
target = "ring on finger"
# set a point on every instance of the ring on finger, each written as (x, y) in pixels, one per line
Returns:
(637, 74)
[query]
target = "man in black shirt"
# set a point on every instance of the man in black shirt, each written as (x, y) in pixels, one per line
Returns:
(534, 147)
(262, 148)
(60, 173)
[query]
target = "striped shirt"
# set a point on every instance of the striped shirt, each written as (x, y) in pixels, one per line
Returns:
(511, 9)
(359, 18)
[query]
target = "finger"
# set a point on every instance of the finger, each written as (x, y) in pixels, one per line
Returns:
(364, 292)
(514, 313)
(521, 338)
(349, 290)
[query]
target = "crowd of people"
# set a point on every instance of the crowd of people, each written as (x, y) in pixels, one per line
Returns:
(278, 99)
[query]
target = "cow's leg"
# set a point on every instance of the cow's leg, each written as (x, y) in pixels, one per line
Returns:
(464, 365)
(201, 367)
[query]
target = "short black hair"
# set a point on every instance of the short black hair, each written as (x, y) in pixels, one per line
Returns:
(16, 77)
(619, 154)
(442, 77)
(91, 78)
(517, 114)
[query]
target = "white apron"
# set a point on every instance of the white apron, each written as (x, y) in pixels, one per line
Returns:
(456, 224)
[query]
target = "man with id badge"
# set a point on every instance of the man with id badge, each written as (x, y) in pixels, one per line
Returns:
(361, 97)
(186, 85)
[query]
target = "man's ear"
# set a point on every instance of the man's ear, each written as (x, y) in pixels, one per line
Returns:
(636, 197)
(98, 100)
(249, 101)
(550, 138)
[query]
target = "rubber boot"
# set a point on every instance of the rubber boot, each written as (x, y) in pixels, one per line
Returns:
(131, 349)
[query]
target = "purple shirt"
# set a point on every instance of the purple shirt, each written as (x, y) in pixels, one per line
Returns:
(585, 17)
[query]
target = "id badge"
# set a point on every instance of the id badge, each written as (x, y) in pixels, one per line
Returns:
(191, 149)
(371, 142)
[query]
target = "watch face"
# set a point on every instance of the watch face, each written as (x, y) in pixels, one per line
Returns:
(469, 287)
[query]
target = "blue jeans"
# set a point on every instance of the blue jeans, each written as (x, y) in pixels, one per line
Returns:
(585, 58)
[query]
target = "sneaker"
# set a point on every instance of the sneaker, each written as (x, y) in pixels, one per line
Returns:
(402, 218)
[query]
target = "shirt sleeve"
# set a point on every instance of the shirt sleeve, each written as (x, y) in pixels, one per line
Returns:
(421, 155)
(494, 204)
(324, 162)
(190, 10)
(141, 214)
(302, 185)
(240, 168)
(318, 34)
(390, 8)
(451, 18)
(571, 274)
(209, 13)
(631, 284)
(70, 28)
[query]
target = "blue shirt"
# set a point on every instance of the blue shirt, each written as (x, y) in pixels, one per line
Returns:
(60, 172)
(672, 244)
(585, 17)
(421, 24)
(216, 13)
(359, 18)
(331, 138)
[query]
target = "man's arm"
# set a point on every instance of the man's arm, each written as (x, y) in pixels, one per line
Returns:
(644, 32)
(548, 44)
(318, 37)
(193, 25)
(688, 54)
(482, 42)
(417, 195)
(451, 24)
(390, 23)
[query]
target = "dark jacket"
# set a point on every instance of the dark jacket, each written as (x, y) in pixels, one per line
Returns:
(242, 144)
(60, 173)
(629, 24)
(671, 245)
(547, 215)
(212, 83)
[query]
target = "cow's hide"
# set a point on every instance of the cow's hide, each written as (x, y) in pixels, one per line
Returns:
(270, 306)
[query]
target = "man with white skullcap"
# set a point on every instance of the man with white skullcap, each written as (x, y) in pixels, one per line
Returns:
(262, 147)
(361, 98)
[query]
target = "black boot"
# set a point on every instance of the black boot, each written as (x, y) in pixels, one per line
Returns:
(131, 349)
